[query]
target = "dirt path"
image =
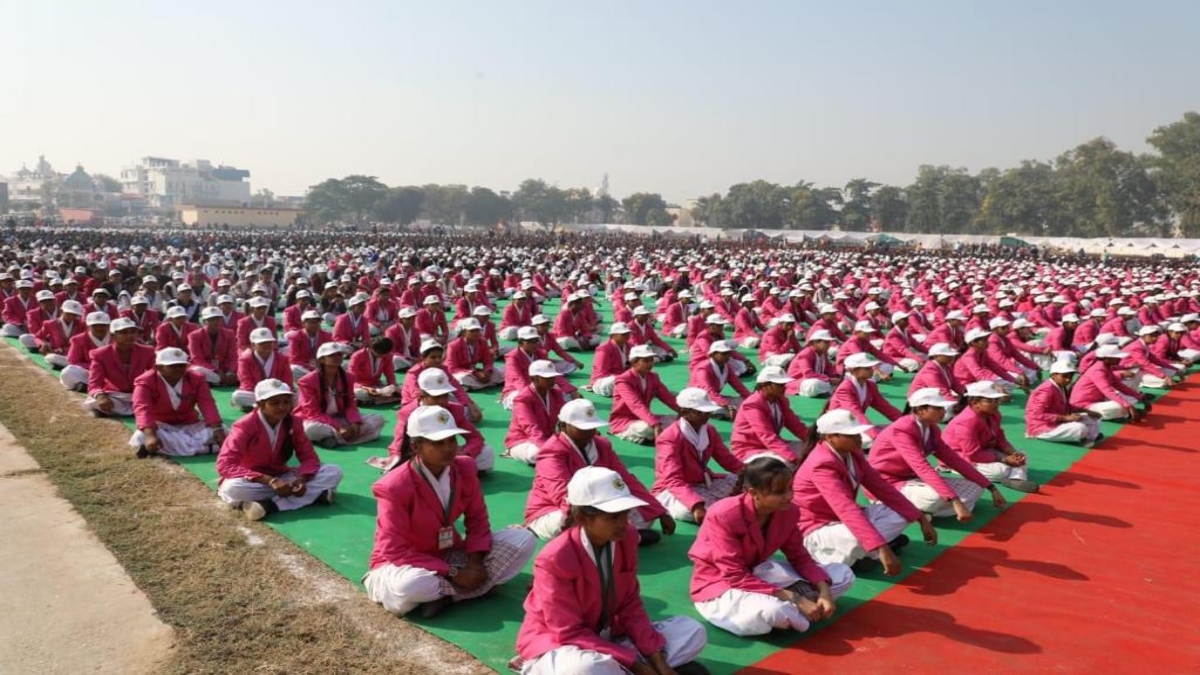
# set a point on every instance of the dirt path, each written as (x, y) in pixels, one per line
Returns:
(66, 606)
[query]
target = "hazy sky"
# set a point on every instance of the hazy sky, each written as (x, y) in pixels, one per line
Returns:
(683, 98)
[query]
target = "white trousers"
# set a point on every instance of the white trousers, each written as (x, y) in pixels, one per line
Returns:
(1085, 429)
(319, 432)
(526, 451)
(911, 365)
(564, 367)
(750, 342)
(122, 404)
(576, 344)
(29, 342)
(1156, 382)
(1189, 355)
(639, 431)
(998, 471)
(604, 386)
(57, 361)
(927, 499)
(678, 331)
(234, 491)
(738, 366)
(1110, 410)
(720, 488)
(242, 398)
(180, 441)
(299, 371)
(781, 360)
(472, 383)
(74, 377)
(388, 394)
(744, 614)
(400, 363)
(210, 376)
(812, 388)
(11, 330)
(486, 459)
(835, 543)
(685, 638)
(400, 588)
(723, 413)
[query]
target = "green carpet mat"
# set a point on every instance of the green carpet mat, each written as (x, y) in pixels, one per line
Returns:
(341, 536)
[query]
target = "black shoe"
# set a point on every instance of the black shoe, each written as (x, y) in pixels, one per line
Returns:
(692, 668)
(327, 497)
(432, 609)
(142, 452)
(648, 537)
(899, 543)
(865, 566)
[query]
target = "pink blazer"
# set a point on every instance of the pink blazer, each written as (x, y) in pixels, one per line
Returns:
(57, 336)
(107, 374)
(152, 405)
(569, 324)
(900, 345)
(558, 460)
(746, 324)
(809, 365)
(900, 455)
(250, 372)
(515, 316)
(80, 348)
(366, 375)
(731, 544)
(632, 398)
(826, 493)
(644, 334)
(1099, 383)
(292, 320)
(247, 324)
(933, 375)
(678, 467)
(247, 451)
(1141, 355)
(974, 366)
(472, 443)
(675, 316)
(220, 358)
(346, 331)
(755, 430)
(166, 336)
(432, 323)
(301, 351)
(845, 397)
(16, 309)
(409, 391)
(976, 437)
(566, 603)
(460, 359)
(406, 342)
(532, 420)
(1047, 403)
(775, 342)
(855, 345)
(703, 376)
(609, 360)
(310, 405)
(148, 323)
(410, 516)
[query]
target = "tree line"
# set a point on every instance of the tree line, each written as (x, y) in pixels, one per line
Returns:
(1093, 190)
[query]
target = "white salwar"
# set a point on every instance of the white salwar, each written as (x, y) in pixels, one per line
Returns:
(526, 451)
(235, 491)
(73, 377)
(639, 431)
(185, 440)
(743, 613)
(1110, 410)
(928, 500)
(472, 383)
(1086, 429)
(604, 386)
(781, 360)
(122, 404)
(324, 434)
(813, 387)
(718, 489)
(835, 543)
(685, 639)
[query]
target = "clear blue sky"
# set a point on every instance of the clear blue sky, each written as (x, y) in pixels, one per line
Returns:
(684, 98)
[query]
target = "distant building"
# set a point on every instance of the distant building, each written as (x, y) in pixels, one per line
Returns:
(238, 216)
(80, 216)
(25, 186)
(3, 197)
(170, 183)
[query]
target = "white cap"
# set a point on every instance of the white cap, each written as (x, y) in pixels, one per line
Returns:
(581, 414)
(1126, 311)
(73, 307)
(328, 349)
(641, 310)
(481, 310)
(49, 295)
(1073, 318)
(827, 309)
(528, 333)
(223, 299)
(205, 314)
(1098, 313)
(1177, 328)
(170, 356)
(864, 327)
(1188, 318)
(719, 346)
(999, 322)
(432, 422)
(259, 301)
(469, 324)
(435, 382)
(861, 360)
(361, 299)
(840, 422)
(618, 328)
(715, 320)
(121, 324)
(819, 335)
(871, 306)
(977, 333)
(695, 398)
(942, 349)
(270, 388)
(1062, 367)
(645, 352)
(1110, 352)
(747, 298)
(539, 319)
(774, 375)
(519, 295)
(98, 319)
(543, 368)
(602, 489)
(929, 396)
(980, 309)
(312, 315)
(984, 389)
(259, 335)
(1022, 323)
(955, 315)
(429, 343)
(1148, 330)
(896, 316)
(26, 283)
(786, 317)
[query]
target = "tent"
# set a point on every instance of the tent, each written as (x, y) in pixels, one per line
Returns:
(1013, 242)
(886, 241)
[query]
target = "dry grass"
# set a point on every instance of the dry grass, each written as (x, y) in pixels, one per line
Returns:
(240, 597)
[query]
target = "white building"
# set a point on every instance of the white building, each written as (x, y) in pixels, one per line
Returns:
(170, 183)
(25, 186)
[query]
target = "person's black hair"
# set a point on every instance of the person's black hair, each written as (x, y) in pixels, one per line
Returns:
(760, 473)
(381, 344)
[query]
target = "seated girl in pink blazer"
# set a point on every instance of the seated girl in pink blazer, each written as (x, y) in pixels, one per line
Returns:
(736, 585)
(858, 393)
(584, 613)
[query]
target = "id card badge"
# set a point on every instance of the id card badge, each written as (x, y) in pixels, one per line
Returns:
(445, 538)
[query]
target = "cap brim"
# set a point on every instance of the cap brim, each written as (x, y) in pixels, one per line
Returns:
(587, 425)
(273, 394)
(173, 362)
(779, 380)
(849, 431)
(620, 504)
(443, 434)
(702, 408)
(553, 373)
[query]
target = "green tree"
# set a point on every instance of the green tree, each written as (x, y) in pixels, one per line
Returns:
(856, 210)
(445, 204)
(1021, 200)
(646, 208)
(707, 211)
(579, 203)
(1108, 192)
(1177, 170)
(888, 208)
(485, 208)
(362, 192)
(607, 206)
(327, 201)
(542, 203)
(758, 204)
(401, 205)
(924, 212)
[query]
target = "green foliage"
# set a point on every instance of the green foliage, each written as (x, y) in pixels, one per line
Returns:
(646, 208)
(1176, 171)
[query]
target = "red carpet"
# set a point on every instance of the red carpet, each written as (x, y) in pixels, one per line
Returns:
(1098, 574)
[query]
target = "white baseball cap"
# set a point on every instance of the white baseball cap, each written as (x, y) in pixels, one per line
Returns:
(528, 333)
(1063, 367)
(984, 389)
(328, 349)
(841, 423)
(260, 301)
(98, 319)
(205, 314)
(773, 375)
(270, 388)
(602, 489)
(1177, 328)
(861, 360)
(1097, 313)
(429, 343)
(1148, 330)
(618, 328)
(896, 316)
(645, 352)
(715, 320)
(786, 317)
(435, 382)
(432, 422)
(695, 398)
(1072, 318)
(719, 346)
(519, 295)
(864, 327)
(1110, 352)
(543, 368)
(1021, 323)
(312, 315)
(930, 396)
(259, 335)
(581, 414)
(49, 295)
(942, 349)
(539, 319)
(73, 307)
(469, 324)
(170, 356)
(361, 299)
(224, 299)
(999, 322)
(303, 294)
(641, 310)
(977, 333)
(122, 324)
(955, 315)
